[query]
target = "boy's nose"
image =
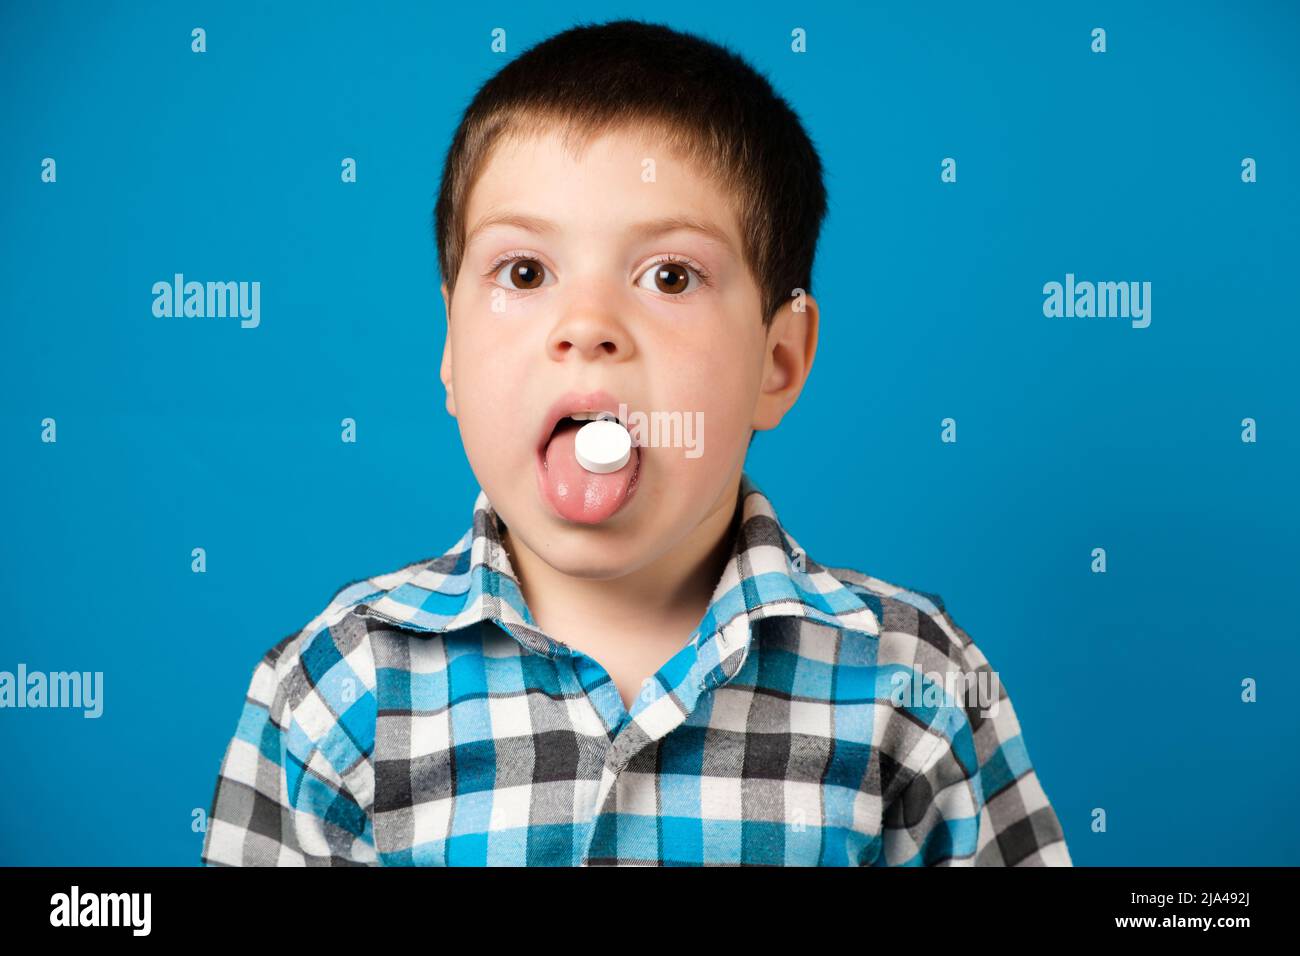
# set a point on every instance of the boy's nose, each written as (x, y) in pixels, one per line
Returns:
(592, 336)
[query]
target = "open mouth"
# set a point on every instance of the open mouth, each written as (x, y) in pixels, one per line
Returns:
(574, 493)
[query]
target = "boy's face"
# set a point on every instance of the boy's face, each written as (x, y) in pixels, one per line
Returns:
(590, 306)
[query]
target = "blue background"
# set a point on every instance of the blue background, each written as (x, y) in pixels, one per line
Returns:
(1073, 433)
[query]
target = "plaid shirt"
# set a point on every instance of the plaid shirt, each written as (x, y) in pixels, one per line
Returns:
(423, 718)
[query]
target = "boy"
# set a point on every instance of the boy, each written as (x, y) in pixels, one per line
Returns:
(641, 666)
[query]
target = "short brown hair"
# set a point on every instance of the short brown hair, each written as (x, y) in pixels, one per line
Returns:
(706, 102)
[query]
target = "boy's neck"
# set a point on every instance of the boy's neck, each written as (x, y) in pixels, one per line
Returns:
(667, 597)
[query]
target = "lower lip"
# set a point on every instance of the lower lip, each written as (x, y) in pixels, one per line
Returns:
(544, 488)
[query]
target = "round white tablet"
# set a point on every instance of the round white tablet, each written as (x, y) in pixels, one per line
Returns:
(602, 446)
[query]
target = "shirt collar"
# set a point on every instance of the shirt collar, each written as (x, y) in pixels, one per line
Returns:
(766, 575)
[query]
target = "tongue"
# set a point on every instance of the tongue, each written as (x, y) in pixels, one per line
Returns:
(578, 494)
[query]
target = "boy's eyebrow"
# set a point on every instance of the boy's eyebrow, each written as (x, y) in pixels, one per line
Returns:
(647, 229)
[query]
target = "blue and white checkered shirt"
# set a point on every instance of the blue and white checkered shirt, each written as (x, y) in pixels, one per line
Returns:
(817, 716)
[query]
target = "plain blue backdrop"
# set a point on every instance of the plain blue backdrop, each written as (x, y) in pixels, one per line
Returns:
(1073, 433)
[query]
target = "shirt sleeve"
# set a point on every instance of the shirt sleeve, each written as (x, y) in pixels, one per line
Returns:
(280, 800)
(968, 794)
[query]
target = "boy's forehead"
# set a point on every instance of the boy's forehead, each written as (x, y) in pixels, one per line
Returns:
(534, 182)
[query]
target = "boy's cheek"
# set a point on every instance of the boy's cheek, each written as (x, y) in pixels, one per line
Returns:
(719, 390)
(486, 352)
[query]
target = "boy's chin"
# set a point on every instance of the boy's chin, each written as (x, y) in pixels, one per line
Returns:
(575, 551)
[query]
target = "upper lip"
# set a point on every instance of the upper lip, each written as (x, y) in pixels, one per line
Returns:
(570, 402)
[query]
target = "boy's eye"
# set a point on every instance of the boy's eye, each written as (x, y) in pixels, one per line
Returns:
(671, 277)
(522, 273)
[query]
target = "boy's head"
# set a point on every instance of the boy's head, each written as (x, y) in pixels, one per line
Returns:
(629, 210)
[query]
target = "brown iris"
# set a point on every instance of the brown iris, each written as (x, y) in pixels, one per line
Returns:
(671, 277)
(526, 273)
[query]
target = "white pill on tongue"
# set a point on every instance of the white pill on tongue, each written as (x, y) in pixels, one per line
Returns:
(602, 446)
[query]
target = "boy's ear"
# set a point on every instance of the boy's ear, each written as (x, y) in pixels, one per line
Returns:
(791, 347)
(445, 372)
